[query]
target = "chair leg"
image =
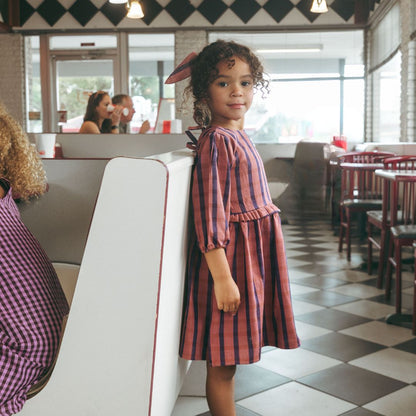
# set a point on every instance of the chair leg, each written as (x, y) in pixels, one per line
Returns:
(398, 260)
(369, 249)
(348, 234)
(341, 230)
(389, 268)
(384, 241)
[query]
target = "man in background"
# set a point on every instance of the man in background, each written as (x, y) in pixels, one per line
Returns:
(126, 101)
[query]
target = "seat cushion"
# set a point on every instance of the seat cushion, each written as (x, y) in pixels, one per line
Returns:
(404, 231)
(375, 215)
(364, 204)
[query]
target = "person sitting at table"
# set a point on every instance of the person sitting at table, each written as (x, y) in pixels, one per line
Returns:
(125, 101)
(98, 119)
(33, 305)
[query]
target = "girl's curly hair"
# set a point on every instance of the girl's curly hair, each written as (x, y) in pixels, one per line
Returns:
(19, 162)
(204, 71)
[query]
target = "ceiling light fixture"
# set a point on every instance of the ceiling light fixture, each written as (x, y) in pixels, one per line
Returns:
(292, 49)
(319, 6)
(118, 1)
(135, 10)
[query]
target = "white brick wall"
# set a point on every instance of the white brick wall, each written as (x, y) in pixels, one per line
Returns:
(186, 41)
(12, 79)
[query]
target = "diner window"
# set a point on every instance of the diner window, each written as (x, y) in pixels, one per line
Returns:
(33, 85)
(316, 88)
(151, 59)
(386, 101)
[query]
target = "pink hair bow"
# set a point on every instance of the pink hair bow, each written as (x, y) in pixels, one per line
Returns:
(183, 70)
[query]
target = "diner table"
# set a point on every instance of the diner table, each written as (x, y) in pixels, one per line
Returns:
(392, 179)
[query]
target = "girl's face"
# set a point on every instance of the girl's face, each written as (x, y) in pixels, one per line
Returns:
(101, 108)
(231, 93)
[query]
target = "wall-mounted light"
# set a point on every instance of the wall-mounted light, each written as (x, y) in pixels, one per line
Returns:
(135, 10)
(319, 6)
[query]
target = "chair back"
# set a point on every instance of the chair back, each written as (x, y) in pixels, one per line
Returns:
(403, 201)
(404, 163)
(364, 157)
(358, 179)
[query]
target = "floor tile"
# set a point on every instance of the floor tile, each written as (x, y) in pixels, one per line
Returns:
(357, 290)
(352, 276)
(341, 347)
(380, 333)
(320, 282)
(325, 298)
(295, 363)
(306, 331)
(295, 274)
(296, 263)
(367, 309)
(297, 289)
(332, 319)
(265, 380)
(390, 362)
(399, 403)
(359, 411)
(352, 384)
(295, 399)
(190, 406)
(408, 346)
(320, 268)
(300, 308)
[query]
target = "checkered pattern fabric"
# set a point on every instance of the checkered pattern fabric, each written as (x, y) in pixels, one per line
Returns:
(64, 14)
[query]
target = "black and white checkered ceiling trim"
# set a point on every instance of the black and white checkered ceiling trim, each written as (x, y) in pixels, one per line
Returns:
(72, 14)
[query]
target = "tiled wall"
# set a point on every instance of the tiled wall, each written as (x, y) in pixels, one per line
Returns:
(91, 14)
(12, 74)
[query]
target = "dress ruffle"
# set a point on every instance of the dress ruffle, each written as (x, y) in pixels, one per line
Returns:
(255, 214)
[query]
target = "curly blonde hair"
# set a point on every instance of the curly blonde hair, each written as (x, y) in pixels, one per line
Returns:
(19, 162)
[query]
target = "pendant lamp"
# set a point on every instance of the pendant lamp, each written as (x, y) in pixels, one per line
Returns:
(319, 6)
(135, 10)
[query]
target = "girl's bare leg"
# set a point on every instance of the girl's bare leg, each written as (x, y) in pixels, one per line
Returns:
(220, 390)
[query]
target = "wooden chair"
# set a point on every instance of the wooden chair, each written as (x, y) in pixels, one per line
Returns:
(402, 229)
(380, 219)
(361, 190)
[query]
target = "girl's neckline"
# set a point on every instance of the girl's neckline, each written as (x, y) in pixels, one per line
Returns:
(214, 126)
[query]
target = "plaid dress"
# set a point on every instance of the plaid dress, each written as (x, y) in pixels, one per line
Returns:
(32, 306)
(233, 209)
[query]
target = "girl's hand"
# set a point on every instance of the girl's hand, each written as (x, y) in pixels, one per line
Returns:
(227, 295)
(226, 290)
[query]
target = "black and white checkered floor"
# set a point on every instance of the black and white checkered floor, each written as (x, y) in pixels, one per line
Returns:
(350, 363)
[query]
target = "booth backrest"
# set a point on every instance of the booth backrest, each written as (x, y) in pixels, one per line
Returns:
(113, 145)
(61, 217)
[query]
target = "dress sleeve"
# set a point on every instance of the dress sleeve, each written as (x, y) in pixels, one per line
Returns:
(211, 191)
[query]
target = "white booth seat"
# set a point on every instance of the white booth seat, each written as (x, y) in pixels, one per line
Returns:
(119, 352)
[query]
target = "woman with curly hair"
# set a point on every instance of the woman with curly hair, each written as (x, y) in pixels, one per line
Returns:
(98, 119)
(32, 303)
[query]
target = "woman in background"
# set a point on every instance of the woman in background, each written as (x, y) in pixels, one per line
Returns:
(32, 303)
(98, 119)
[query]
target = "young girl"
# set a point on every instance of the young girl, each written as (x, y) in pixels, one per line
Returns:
(97, 118)
(32, 303)
(237, 296)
